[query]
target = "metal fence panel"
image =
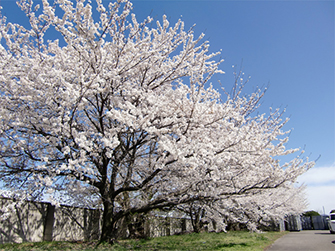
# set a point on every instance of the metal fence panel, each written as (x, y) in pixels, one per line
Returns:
(306, 223)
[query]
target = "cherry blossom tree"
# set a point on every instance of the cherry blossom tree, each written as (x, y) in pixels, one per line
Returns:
(244, 176)
(262, 209)
(124, 114)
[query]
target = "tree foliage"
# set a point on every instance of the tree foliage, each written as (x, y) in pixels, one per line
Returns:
(124, 115)
(310, 213)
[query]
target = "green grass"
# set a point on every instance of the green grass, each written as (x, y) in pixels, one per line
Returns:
(232, 241)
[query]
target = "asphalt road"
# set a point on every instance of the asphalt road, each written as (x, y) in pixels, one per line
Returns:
(307, 240)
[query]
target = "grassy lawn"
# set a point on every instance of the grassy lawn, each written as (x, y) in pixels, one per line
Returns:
(232, 241)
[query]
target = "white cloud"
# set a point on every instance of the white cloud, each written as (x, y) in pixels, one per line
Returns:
(318, 175)
(320, 191)
(321, 198)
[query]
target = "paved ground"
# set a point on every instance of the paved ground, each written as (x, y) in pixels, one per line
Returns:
(308, 240)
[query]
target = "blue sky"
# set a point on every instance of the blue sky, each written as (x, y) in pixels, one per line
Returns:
(285, 45)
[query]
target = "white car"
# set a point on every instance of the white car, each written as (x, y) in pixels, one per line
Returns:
(331, 222)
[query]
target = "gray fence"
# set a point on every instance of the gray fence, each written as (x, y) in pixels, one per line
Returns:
(297, 223)
(315, 223)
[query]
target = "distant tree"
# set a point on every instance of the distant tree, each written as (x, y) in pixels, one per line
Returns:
(123, 116)
(310, 213)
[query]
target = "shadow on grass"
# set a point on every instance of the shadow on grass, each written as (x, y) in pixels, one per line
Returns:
(230, 245)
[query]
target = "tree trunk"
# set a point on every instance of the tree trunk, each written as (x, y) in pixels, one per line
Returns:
(196, 227)
(124, 227)
(196, 224)
(196, 219)
(108, 232)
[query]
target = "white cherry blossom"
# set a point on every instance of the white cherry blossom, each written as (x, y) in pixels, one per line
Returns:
(122, 113)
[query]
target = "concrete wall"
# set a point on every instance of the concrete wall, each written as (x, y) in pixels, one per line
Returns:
(165, 226)
(34, 222)
(76, 224)
(18, 226)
